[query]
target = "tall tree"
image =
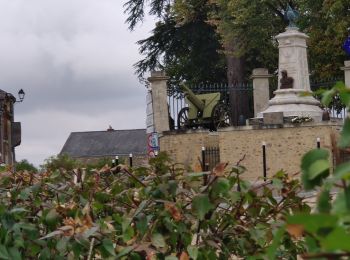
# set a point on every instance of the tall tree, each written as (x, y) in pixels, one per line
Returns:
(252, 25)
(186, 47)
(245, 28)
(326, 22)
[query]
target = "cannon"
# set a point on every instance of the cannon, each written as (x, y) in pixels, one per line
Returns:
(203, 110)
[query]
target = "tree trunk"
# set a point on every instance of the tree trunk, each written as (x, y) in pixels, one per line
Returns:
(235, 77)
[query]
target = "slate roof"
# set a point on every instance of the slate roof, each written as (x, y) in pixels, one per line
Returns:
(106, 143)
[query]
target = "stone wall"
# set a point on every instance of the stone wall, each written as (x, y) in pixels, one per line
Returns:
(284, 146)
(186, 147)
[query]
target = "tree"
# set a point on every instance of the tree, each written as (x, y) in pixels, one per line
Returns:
(60, 161)
(194, 41)
(326, 23)
(154, 212)
(245, 28)
(187, 48)
(252, 25)
(24, 165)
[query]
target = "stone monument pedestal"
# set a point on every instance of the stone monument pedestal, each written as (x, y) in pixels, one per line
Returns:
(297, 100)
(294, 102)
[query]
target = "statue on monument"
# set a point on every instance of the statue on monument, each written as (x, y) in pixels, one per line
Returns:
(291, 16)
(286, 82)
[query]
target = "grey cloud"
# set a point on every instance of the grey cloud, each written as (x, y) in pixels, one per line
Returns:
(74, 60)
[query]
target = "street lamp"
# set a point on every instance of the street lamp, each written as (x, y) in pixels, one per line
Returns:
(21, 95)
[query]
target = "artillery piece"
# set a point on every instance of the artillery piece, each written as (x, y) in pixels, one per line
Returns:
(203, 110)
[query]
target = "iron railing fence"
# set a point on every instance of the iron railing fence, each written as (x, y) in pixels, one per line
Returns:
(176, 98)
(212, 157)
(336, 109)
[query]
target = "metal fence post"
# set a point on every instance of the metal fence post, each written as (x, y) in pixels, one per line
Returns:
(116, 160)
(130, 160)
(264, 159)
(205, 177)
(203, 159)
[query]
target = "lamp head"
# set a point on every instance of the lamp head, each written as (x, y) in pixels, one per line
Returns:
(21, 95)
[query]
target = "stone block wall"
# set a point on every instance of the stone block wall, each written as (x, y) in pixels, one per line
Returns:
(285, 146)
(186, 147)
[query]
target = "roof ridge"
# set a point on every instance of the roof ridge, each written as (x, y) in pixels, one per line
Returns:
(103, 131)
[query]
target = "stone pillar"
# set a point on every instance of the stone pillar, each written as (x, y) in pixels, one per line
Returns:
(346, 69)
(158, 86)
(261, 89)
(293, 57)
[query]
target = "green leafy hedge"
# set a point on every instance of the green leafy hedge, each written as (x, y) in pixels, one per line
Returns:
(159, 212)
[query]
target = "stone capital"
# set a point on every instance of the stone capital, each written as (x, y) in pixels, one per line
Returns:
(292, 33)
(346, 70)
(260, 73)
(346, 65)
(158, 76)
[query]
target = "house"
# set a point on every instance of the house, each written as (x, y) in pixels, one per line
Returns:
(89, 147)
(10, 131)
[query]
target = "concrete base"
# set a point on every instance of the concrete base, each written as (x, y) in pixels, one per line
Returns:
(294, 102)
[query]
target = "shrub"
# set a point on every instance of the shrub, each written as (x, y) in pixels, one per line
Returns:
(24, 165)
(61, 161)
(158, 211)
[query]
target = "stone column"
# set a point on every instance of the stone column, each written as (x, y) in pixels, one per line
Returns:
(293, 58)
(346, 69)
(158, 86)
(261, 89)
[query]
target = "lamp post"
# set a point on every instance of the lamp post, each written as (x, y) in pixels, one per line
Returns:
(116, 160)
(21, 95)
(318, 142)
(263, 144)
(130, 160)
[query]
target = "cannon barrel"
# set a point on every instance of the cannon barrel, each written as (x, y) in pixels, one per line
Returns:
(199, 104)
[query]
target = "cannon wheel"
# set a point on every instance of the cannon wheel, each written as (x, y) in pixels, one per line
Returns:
(220, 116)
(182, 119)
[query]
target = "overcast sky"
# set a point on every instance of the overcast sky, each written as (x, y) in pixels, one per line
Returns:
(73, 58)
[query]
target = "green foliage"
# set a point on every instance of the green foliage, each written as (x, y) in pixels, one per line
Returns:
(327, 35)
(99, 164)
(181, 48)
(61, 161)
(24, 165)
(196, 32)
(326, 232)
(315, 167)
(159, 211)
